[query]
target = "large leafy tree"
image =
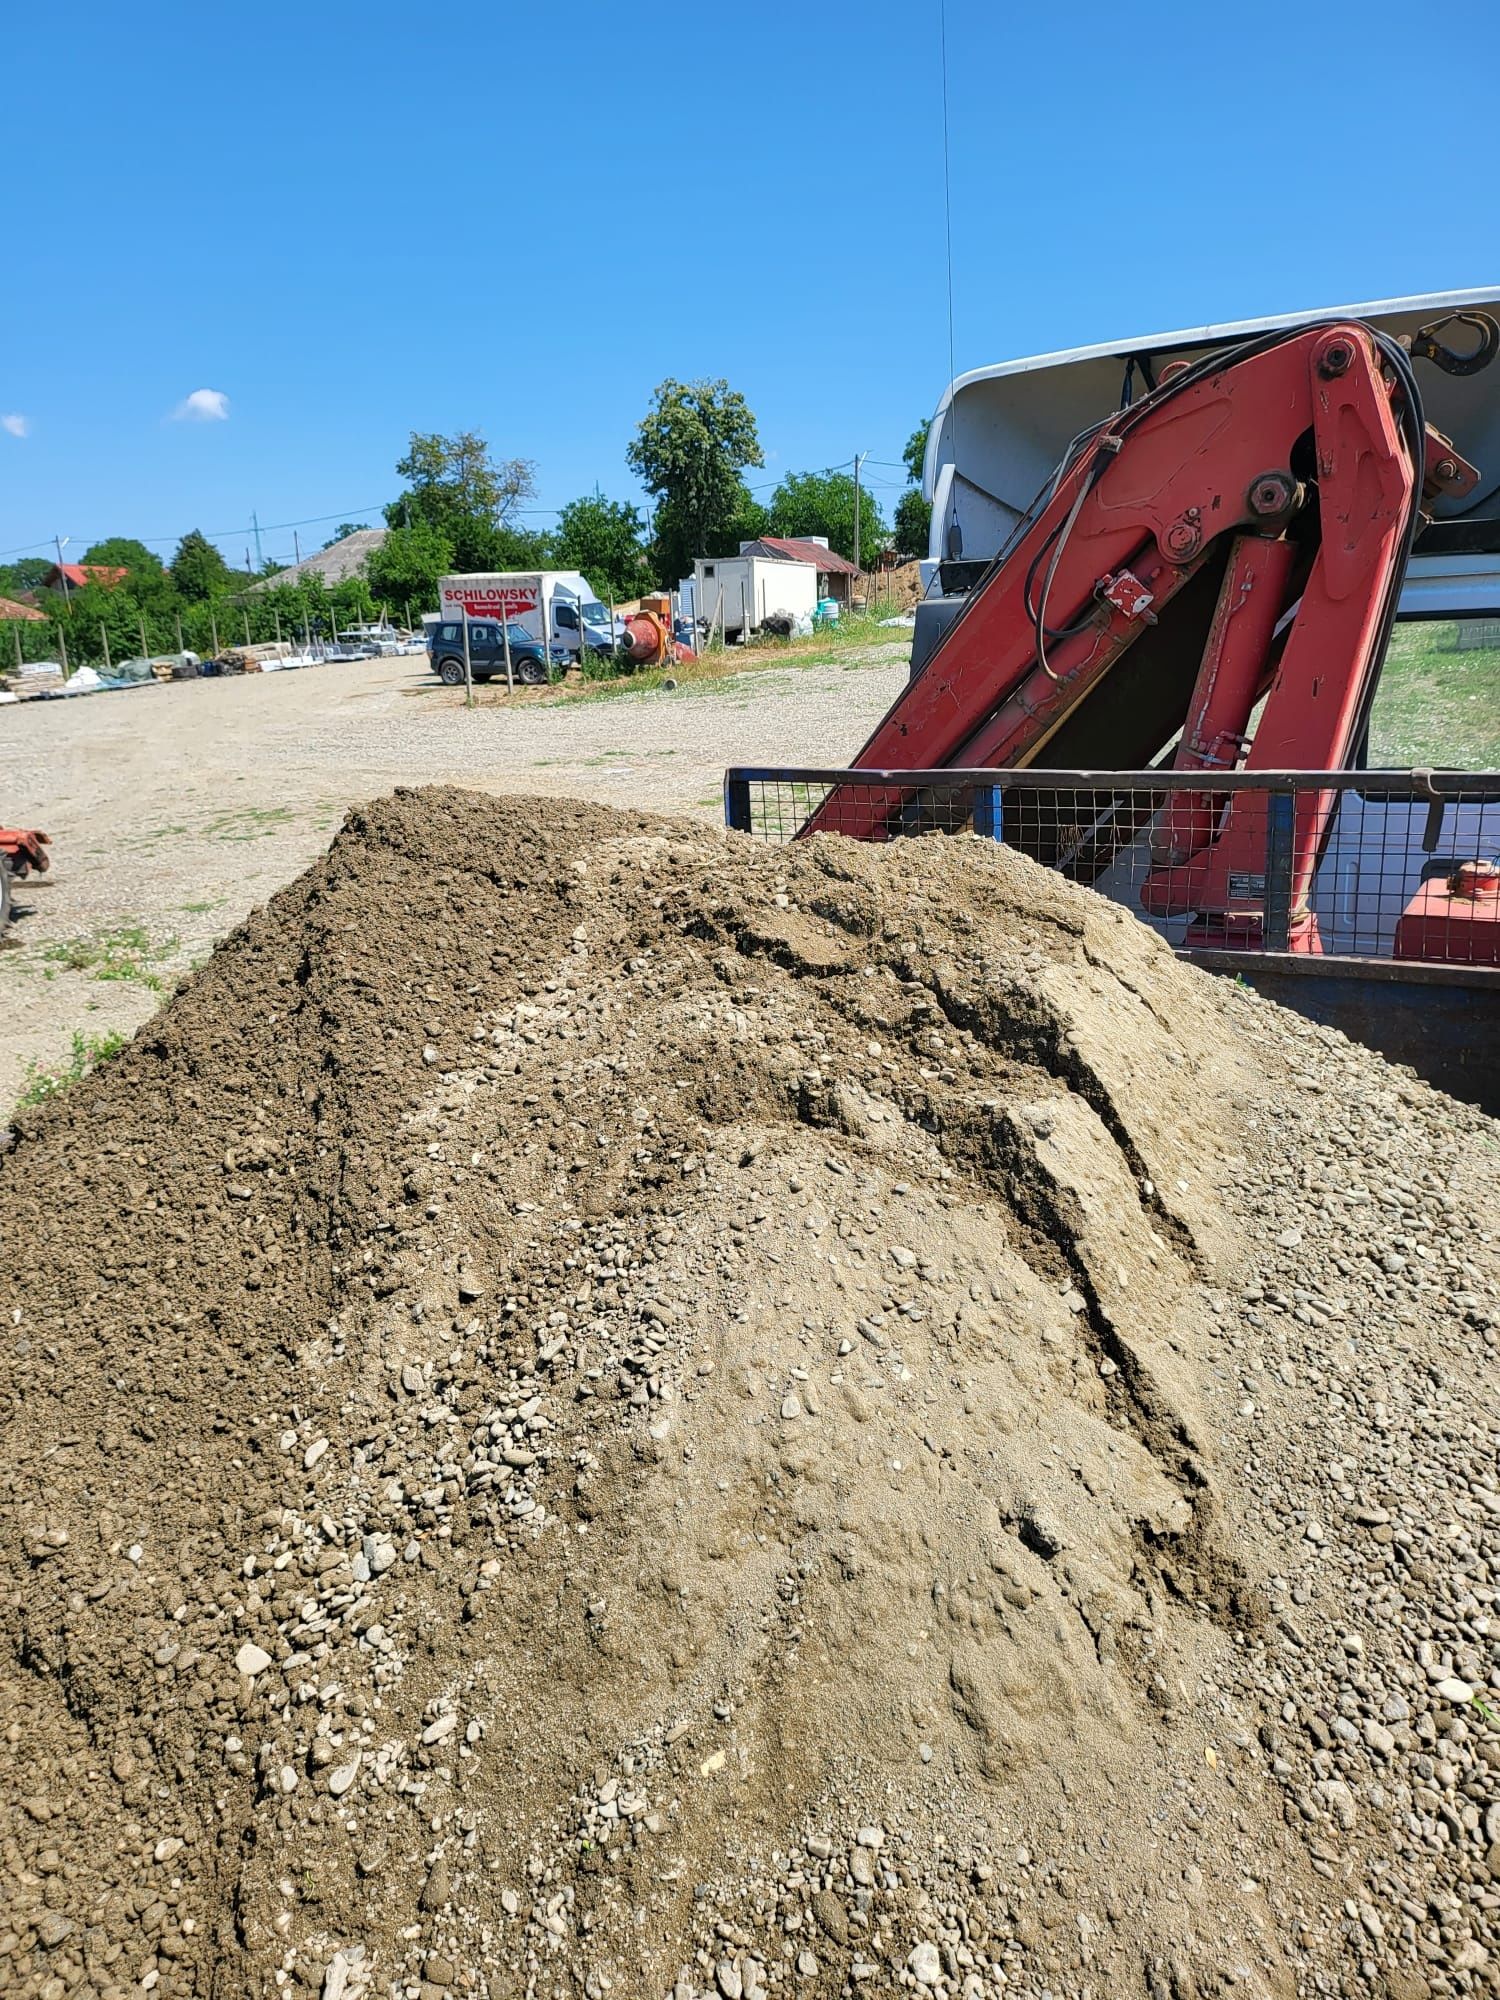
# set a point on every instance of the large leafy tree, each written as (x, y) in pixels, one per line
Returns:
(343, 530)
(198, 569)
(124, 552)
(27, 574)
(603, 538)
(913, 511)
(913, 520)
(406, 568)
(822, 503)
(459, 487)
(690, 452)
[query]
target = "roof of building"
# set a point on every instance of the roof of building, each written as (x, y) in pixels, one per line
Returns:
(333, 564)
(81, 575)
(795, 548)
(10, 609)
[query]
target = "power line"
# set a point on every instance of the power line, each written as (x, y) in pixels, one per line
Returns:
(947, 189)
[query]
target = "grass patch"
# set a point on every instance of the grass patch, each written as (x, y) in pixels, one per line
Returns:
(87, 1052)
(127, 953)
(854, 644)
(1436, 704)
(249, 823)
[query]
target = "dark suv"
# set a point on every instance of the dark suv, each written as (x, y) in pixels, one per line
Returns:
(445, 653)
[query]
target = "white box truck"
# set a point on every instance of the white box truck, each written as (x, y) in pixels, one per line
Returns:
(556, 606)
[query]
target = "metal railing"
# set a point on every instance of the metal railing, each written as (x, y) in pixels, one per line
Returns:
(1357, 864)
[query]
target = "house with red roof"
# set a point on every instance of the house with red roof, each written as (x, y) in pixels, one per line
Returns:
(77, 576)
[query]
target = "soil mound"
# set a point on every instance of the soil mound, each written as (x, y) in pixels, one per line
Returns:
(597, 1410)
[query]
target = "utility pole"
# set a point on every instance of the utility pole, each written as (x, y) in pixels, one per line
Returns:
(255, 530)
(61, 541)
(859, 459)
(297, 544)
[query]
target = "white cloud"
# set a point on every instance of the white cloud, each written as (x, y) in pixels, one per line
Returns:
(15, 424)
(204, 406)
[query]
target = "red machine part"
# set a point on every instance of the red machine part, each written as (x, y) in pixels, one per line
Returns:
(649, 634)
(1238, 449)
(1454, 919)
(24, 849)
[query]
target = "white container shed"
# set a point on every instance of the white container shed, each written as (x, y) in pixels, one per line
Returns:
(740, 592)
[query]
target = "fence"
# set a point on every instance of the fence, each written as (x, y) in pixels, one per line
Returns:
(1359, 864)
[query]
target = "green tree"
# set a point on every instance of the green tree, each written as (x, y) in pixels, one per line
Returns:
(406, 568)
(457, 486)
(123, 552)
(913, 521)
(352, 600)
(913, 512)
(27, 574)
(343, 530)
(690, 451)
(822, 503)
(198, 569)
(603, 539)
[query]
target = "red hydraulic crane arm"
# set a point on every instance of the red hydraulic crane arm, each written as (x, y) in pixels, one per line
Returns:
(1139, 508)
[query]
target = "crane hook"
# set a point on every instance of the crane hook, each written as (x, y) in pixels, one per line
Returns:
(1423, 347)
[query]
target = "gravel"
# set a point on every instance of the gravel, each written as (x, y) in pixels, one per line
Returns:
(994, 1671)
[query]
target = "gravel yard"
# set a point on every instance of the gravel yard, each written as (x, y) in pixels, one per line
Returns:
(174, 810)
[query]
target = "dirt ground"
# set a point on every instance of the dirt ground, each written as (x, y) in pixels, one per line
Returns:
(175, 810)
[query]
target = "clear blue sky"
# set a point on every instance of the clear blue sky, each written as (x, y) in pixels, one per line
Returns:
(355, 221)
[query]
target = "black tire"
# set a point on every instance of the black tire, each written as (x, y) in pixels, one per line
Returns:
(531, 673)
(451, 673)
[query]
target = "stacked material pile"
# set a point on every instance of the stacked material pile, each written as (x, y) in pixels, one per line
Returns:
(596, 1410)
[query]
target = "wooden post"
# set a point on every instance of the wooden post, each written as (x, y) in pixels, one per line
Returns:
(104, 635)
(145, 649)
(62, 647)
(468, 671)
(245, 612)
(178, 616)
(15, 633)
(510, 679)
(213, 620)
(277, 616)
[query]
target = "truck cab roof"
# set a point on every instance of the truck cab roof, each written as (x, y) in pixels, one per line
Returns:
(998, 432)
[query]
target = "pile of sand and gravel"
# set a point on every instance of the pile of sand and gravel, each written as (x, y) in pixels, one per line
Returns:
(594, 1409)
